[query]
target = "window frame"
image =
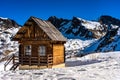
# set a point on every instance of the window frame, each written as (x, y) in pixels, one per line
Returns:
(42, 50)
(27, 52)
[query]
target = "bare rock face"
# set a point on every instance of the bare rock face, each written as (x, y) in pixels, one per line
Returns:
(105, 19)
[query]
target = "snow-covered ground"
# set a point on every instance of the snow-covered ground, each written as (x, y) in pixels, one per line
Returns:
(97, 66)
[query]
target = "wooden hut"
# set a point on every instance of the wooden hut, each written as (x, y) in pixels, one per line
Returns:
(41, 44)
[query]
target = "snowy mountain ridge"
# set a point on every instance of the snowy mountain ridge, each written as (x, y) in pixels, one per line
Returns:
(78, 28)
(104, 30)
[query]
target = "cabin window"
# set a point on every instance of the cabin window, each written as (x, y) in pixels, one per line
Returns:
(28, 50)
(42, 50)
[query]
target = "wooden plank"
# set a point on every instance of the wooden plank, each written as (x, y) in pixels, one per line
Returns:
(58, 53)
(34, 42)
(29, 23)
(58, 60)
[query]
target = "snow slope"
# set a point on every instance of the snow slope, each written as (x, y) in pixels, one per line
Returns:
(75, 46)
(98, 66)
(6, 45)
(91, 24)
(110, 42)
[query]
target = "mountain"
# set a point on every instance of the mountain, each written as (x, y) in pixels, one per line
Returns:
(83, 36)
(80, 33)
(8, 29)
(105, 19)
(105, 30)
(111, 40)
(8, 23)
(79, 28)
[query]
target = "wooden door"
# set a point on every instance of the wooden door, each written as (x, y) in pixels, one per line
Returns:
(58, 53)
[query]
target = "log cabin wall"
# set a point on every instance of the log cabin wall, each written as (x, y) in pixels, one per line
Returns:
(21, 50)
(34, 47)
(34, 50)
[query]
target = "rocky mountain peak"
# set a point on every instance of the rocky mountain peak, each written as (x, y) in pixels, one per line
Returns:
(7, 23)
(105, 19)
(57, 21)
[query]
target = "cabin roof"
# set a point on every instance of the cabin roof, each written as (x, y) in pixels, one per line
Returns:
(46, 26)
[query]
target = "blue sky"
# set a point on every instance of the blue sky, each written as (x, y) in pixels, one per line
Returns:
(21, 10)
